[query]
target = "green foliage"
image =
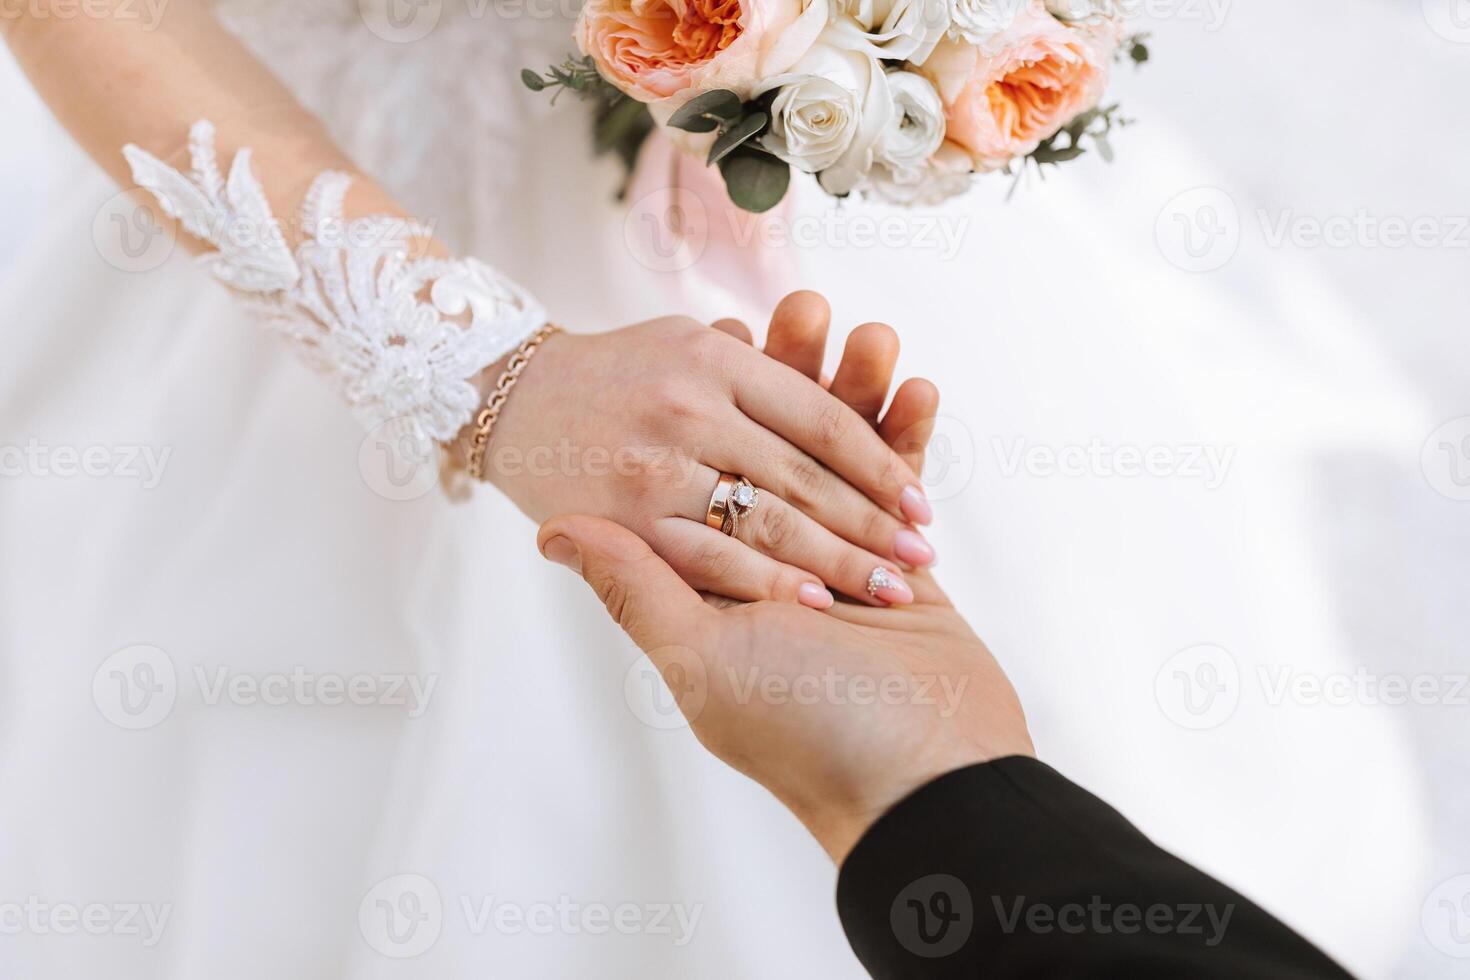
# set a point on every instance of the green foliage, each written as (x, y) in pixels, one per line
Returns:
(755, 180)
(574, 74)
(737, 136)
(620, 124)
(707, 112)
(1135, 46)
(1092, 127)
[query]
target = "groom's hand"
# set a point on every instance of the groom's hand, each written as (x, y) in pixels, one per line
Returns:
(839, 714)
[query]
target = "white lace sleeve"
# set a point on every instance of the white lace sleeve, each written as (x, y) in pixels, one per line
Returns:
(402, 338)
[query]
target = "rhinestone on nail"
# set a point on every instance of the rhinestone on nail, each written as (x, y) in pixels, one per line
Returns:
(881, 578)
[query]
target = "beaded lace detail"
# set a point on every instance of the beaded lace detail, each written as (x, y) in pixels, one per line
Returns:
(401, 337)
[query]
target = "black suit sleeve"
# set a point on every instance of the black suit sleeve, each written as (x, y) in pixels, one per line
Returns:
(1008, 869)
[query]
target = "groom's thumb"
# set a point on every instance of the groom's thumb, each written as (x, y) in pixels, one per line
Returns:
(642, 593)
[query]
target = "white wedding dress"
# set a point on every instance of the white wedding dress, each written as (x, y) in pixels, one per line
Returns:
(305, 840)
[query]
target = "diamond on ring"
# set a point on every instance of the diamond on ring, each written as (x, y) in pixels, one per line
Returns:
(743, 498)
(881, 578)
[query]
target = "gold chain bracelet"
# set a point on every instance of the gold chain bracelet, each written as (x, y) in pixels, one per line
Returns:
(485, 421)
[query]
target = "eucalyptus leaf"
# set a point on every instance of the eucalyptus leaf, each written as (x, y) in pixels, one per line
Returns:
(1104, 148)
(619, 122)
(532, 80)
(703, 113)
(731, 139)
(1045, 155)
(755, 180)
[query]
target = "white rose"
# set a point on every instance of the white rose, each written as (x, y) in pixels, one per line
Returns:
(893, 30)
(1072, 10)
(944, 175)
(916, 127)
(982, 22)
(829, 114)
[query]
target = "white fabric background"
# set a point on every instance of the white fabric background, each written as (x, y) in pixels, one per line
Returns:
(1326, 368)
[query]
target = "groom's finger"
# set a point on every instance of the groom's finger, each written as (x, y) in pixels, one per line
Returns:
(735, 328)
(642, 593)
(910, 421)
(866, 369)
(798, 332)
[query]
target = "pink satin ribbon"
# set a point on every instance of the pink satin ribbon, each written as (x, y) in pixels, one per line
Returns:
(684, 227)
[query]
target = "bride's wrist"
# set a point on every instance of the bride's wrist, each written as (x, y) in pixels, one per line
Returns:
(472, 450)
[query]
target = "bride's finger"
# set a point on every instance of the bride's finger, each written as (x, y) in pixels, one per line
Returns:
(798, 333)
(809, 418)
(735, 328)
(910, 421)
(926, 593)
(866, 369)
(711, 561)
(772, 463)
(780, 531)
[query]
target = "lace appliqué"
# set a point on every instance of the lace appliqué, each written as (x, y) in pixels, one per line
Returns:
(402, 337)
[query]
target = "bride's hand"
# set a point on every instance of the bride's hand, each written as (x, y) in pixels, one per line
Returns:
(637, 425)
(797, 337)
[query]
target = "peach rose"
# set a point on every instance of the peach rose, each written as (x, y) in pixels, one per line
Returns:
(656, 50)
(1045, 73)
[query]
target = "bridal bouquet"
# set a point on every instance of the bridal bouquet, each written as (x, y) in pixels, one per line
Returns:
(900, 99)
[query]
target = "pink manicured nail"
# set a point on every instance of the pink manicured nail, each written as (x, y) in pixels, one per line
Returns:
(814, 596)
(889, 586)
(915, 505)
(911, 547)
(561, 550)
